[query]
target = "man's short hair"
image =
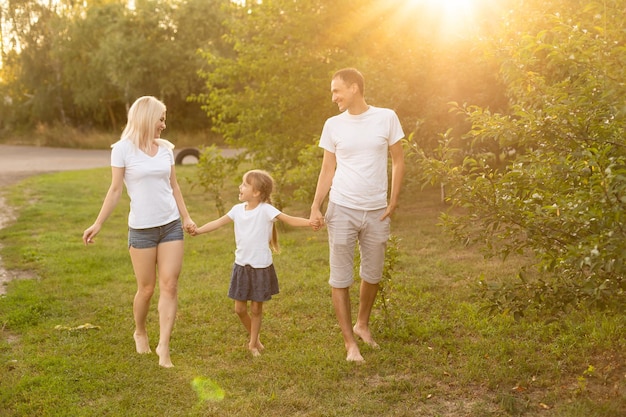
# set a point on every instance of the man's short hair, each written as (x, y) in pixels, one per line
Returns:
(351, 76)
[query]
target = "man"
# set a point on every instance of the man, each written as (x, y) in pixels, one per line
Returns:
(356, 144)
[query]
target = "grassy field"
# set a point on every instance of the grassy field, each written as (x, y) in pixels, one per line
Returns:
(66, 346)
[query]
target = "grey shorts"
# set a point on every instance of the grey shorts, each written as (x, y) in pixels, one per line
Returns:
(151, 237)
(347, 226)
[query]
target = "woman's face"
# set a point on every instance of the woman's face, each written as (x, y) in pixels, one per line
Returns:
(160, 126)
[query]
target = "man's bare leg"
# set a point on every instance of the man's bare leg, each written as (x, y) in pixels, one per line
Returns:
(367, 297)
(341, 303)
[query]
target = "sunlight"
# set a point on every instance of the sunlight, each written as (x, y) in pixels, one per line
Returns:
(448, 18)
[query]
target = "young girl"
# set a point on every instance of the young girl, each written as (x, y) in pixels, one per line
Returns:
(253, 278)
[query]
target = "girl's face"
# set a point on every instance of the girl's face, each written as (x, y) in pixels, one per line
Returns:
(160, 126)
(246, 191)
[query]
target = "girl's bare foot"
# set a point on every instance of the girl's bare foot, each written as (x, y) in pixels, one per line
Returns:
(141, 343)
(366, 336)
(259, 345)
(164, 357)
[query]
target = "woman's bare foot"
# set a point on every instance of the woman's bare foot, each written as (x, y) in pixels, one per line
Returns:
(255, 352)
(366, 336)
(141, 343)
(164, 357)
(354, 355)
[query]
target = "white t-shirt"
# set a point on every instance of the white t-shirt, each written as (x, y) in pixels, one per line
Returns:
(253, 232)
(147, 180)
(361, 146)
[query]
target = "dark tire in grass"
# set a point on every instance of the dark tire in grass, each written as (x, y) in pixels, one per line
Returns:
(189, 154)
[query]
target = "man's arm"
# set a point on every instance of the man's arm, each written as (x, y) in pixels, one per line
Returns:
(397, 175)
(324, 181)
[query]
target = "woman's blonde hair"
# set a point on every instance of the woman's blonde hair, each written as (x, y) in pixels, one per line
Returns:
(263, 182)
(142, 121)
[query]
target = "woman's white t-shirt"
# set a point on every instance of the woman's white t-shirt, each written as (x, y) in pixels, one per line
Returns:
(147, 180)
(361, 146)
(253, 232)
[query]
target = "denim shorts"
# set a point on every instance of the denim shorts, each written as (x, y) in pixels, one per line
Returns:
(152, 236)
(345, 228)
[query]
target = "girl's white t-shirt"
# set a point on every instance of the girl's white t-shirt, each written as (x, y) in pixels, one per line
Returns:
(147, 180)
(361, 146)
(253, 232)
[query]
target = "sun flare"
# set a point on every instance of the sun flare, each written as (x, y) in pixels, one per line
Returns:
(448, 18)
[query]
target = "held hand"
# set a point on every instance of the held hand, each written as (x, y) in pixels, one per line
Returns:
(316, 219)
(315, 225)
(190, 227)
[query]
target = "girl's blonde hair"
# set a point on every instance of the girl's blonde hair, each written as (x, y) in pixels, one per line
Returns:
(262, 182)
(142, 120)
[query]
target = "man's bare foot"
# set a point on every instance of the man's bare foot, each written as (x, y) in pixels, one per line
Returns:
(366, 336)
(354, 355)
(164, 357)
(141, 343)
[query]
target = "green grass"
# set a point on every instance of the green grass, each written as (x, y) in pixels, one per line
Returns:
(440, 356)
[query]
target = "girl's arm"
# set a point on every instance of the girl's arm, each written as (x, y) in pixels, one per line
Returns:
(109, 203)
(212, 225)
(294, 221)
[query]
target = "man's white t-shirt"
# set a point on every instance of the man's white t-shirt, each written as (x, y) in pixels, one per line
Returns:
(361, 146)
(253, 232)
(147, 180)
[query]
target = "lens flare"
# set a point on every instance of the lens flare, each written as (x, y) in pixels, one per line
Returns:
(207, 390)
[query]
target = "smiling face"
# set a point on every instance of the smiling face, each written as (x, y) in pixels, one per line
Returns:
(342, 94)
(160, 126)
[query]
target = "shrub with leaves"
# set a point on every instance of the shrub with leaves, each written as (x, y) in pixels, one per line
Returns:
(548, 176)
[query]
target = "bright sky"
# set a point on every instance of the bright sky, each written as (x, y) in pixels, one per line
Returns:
(449, 18)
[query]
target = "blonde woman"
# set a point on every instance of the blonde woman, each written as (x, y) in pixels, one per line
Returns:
(145, 164)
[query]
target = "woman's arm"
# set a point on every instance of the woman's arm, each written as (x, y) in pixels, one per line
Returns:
(188, 223)
(109, 203)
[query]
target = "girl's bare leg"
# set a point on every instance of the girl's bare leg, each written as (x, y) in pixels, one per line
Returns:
(241, 308)
(170, 262)
(256, 314)
(145, 273)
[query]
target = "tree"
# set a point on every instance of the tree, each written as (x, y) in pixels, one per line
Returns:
(548, 174)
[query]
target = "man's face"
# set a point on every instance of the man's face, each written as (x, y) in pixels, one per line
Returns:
(342, 94)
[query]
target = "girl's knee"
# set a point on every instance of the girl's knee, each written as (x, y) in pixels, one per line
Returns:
(241, 309)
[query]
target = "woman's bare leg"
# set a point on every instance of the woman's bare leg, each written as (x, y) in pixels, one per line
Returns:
(170, 262)
(144, 261)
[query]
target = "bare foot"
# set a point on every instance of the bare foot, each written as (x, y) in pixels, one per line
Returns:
(255, 352)
(164, 357)
(141, 343)
(366, 336)
(259, 345)
(354, 355)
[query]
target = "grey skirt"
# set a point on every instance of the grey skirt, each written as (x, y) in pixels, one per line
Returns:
(253, 284)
